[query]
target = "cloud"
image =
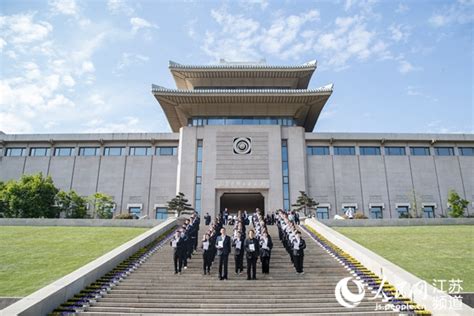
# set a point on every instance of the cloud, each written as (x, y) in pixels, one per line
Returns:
(242, 38)
(284, 32)
(250, 4)
(459, 12)
(399, 32)
(139, 23)
(402, 8)
(40, 84)
(405, 67)
(20, 29)
(416, 92)
(130, 124)
(12, 122)
(439, 127)
(119, 6)
(129, 59)
(350, 39)
(66, 7)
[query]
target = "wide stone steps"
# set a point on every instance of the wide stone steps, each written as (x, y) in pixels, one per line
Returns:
(155, 289)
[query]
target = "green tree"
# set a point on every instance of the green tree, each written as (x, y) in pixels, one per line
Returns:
(417, 208)
(179, 205)
(72, 204)
(3, 204)
(305, 203)
(456, 204)
(31, 196)
(103, 205)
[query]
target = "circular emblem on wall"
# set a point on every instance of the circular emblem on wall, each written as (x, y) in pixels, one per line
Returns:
(242, 145)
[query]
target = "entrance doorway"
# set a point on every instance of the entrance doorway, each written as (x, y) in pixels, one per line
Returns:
(242, 201)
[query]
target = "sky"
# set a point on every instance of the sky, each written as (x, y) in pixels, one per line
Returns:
(82, 66)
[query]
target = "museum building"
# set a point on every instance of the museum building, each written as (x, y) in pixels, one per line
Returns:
(242, 137)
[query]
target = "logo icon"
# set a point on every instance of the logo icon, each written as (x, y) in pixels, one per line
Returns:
(344, 295)
(242, 145)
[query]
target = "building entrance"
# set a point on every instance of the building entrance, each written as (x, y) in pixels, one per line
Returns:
(242, 201)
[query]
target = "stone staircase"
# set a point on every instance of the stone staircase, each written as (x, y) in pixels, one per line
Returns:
(155, 289)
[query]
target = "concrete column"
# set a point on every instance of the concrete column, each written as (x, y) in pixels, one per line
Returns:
(187, 162)
(297, 161)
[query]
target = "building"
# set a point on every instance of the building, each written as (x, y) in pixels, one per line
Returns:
(242, 137)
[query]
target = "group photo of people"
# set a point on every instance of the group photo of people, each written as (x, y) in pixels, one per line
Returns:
(241, 235)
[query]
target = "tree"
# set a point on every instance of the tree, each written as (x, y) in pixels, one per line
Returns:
(103, 205)
(72, 204)
(179, 205)
(416, 210)
(456, 204)
(31, 196)
(304, 202)
(3, 204)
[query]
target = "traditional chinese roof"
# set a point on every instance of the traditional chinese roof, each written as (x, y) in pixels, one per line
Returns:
(188, 77)
(304, 105)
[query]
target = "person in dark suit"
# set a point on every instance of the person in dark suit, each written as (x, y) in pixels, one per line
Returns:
(266, 246)
(177, 243)
(207, 219)
(206, 255)
(298, 252)
(252, 251)
(223, 245)
(238, 243)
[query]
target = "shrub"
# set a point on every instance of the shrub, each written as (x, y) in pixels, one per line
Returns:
(359, 216)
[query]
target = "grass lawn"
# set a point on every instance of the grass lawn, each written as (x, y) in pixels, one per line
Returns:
(429, 252)
(32, 257)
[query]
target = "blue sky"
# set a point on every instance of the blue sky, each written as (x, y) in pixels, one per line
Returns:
(87, 66)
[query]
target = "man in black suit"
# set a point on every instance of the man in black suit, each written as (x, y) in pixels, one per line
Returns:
(252, 251)
(298, 252)
(178, 252)
(223, 245)
(207, 219)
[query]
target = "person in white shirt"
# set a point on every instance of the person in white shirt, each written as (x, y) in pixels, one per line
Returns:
(350, 213)
(206, 255)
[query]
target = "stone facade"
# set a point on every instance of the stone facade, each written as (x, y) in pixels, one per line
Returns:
(246, 129)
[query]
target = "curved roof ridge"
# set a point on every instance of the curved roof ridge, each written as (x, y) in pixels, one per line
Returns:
(309, 65)
(326, 88)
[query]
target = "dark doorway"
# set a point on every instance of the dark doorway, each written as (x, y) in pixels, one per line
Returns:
(242, 201)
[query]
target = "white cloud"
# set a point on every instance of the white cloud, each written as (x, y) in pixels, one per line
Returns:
(31, 70)
(129, 59)
(399, 32)
(119, 6)
(350, 39)
(69, 81)
(11, 122)
(250, 4)
(130, 124)
(66, 7)
(139, 23)
(20, 29)
(459, 12)
(402, 8)
(405, 67)
(416, 92)
(3, 43)
(87, 66)
(284, 32)
(59, 101)
(242, 38)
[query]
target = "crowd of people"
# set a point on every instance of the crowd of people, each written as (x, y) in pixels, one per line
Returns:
(252, 244)
(290, 236)
(185, 242)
